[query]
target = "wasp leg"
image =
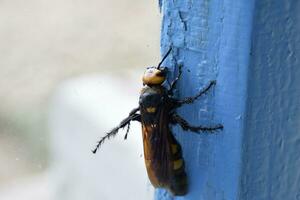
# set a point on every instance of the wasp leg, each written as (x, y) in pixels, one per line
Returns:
(136, 117)
(134, 111)
(133, 116)
(173, 84)
(187, 127)
(189, 100)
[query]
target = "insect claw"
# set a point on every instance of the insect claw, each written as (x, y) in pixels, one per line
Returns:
(162, 153)
(213, 82)
(94, 151)
(219, 127)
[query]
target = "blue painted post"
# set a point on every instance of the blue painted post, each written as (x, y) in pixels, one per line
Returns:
(252, 49)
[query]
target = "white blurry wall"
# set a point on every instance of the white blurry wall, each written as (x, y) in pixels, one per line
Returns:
(46, 42)
(83, 109)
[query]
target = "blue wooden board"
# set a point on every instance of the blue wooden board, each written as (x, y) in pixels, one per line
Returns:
(271, 159)
(252, 49)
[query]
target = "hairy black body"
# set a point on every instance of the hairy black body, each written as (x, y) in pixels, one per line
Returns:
(156, 112)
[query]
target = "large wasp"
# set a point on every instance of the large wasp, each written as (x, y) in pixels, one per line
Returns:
(156, 112)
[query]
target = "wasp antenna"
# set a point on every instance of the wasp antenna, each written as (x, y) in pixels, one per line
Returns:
(158, 66)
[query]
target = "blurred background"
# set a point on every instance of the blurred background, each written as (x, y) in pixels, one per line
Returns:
(69, 71)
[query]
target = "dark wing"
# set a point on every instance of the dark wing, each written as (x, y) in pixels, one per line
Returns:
(160, 143)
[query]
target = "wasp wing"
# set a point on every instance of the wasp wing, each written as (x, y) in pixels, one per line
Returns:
(156, 145)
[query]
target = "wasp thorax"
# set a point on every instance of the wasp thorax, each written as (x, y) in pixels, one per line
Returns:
(154, 76)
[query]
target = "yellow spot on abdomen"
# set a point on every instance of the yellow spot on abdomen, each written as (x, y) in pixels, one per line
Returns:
(177, 164)
(174, 148)
(151, 109)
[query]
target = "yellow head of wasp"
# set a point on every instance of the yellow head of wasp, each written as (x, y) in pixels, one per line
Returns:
(156, 75)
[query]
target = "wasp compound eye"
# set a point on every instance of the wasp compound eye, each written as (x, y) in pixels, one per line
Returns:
(156, 112)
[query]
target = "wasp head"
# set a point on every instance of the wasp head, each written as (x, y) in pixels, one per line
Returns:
(154, 76)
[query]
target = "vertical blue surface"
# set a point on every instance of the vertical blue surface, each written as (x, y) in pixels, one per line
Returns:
(252, 49)
(212, 41)
(271, 153)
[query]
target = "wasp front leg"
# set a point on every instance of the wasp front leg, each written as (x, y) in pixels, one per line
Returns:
(173, 84)
(133, 116)
(189, 100)
(175, 118)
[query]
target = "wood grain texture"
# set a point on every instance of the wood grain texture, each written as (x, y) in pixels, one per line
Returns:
(252, 49)
(212, 40)
(271, 137)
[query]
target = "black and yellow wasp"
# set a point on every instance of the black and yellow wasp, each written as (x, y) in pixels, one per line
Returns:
(156, 112)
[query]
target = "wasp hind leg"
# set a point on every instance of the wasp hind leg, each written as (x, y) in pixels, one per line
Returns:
(189, 100)
(187, 127)
(133, 116)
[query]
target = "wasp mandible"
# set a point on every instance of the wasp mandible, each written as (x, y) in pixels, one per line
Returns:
(156, 112)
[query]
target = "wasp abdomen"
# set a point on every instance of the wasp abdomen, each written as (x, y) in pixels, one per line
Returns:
(178, 180)
(162, 152)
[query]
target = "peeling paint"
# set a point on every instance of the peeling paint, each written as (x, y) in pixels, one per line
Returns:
(252, 49)
(211, 38)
